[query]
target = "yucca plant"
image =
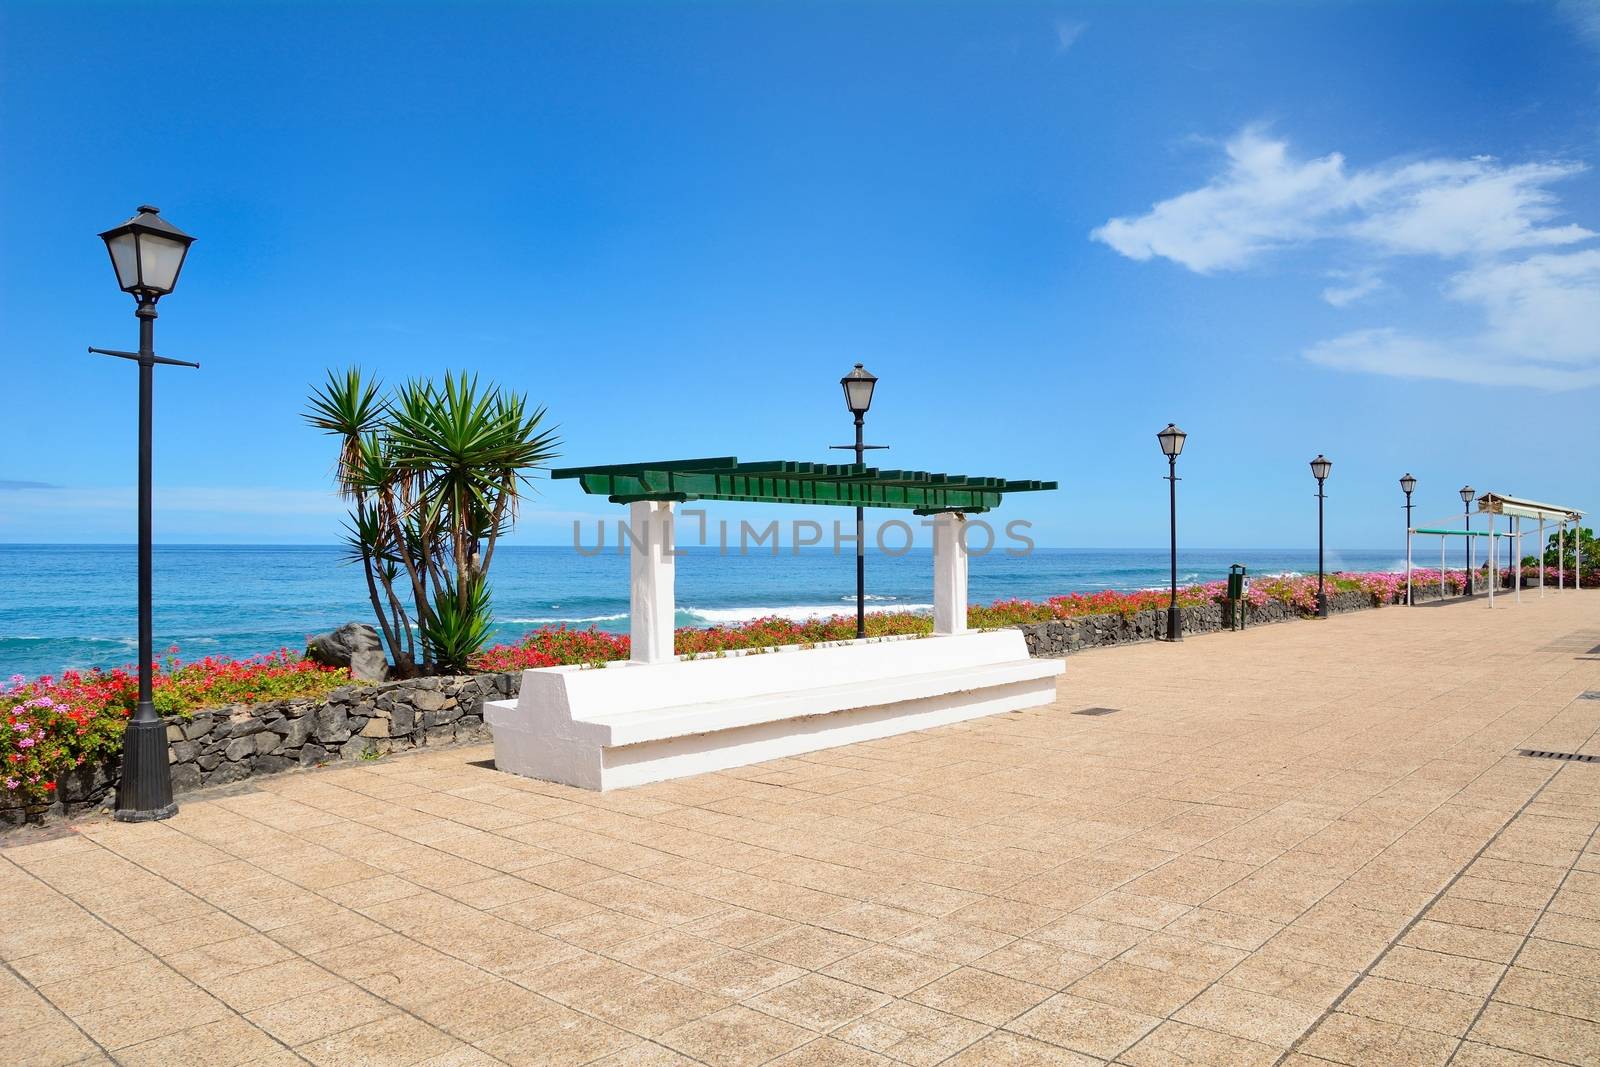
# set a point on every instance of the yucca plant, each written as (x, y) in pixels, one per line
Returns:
(459, 627)
(435, 473)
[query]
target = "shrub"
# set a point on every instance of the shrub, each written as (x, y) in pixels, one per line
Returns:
(52, 724)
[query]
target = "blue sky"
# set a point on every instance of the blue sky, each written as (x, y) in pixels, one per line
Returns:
(1363, 230)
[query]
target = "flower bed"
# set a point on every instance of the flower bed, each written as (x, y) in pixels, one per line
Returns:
(559, 646)
(54, 724)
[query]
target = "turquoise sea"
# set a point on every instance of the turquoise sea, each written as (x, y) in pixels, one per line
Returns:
(67, 606)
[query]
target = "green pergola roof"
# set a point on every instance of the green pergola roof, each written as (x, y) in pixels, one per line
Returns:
(795, 482)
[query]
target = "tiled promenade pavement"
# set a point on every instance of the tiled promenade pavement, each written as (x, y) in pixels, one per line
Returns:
(1301, 844)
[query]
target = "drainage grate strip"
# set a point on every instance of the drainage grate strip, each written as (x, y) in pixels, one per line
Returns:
(1575, 757)
(1096, 711)
(1593, 694)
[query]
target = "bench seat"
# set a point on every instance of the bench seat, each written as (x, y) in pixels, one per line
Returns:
(632, 723)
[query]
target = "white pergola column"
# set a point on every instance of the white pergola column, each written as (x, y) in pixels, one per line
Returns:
(1516, 557)
(1541, 557)
(1561, 556)
(1494, 559)
(949, 573)
(652, 571)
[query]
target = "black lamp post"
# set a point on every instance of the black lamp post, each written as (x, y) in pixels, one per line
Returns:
(1467, 493)
(858, 386)
(1172, 440)
(1407, 485)
(1320, 467)
(147, 253)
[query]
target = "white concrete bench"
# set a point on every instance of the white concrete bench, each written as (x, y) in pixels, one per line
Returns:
(628, 723)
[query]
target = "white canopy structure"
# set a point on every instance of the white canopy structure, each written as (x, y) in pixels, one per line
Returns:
(1515, 509)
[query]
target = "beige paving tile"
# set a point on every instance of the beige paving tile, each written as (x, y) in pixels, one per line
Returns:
(486, 1010)
(912, 1033)
(1361, 1042)
(224, 1043)
(275, 983)
(736, 1037)
(1457, 974)
(319, 1014)
(1414, 1007)
(178, 1008)
(1288, 978)
(1018, 1051)
(981, 996)
(1538, 1033)
(827, 1052)
(809, 947)
(1180, 1043)
(818, 1002)
(52, 1044)
(888, 970)
(1086, 1026)
(736, 975)
(560, 1038)
(1557, 993)
(1249, 1015)
(397, 1041)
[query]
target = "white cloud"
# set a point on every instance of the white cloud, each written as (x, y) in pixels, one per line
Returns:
(1546, 306)
(1355, 285)
(1390, 352)
(1264, 200)
(1454, 208)
(1585, 18)
(1067, 33)
(1497, 225)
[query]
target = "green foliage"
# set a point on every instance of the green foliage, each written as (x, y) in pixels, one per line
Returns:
(435, 471)
(1577, 538)
(460, 627)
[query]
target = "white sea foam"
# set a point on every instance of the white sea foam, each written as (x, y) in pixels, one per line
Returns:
(795, 612)
(551, 620)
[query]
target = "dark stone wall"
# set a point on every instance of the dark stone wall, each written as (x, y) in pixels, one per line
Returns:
(237, 741)
(1063, 637)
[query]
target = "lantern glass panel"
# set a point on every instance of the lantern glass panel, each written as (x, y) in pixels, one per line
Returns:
(160, 259)
(125, 258)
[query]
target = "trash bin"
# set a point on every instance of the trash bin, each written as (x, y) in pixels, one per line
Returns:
(1233, 603)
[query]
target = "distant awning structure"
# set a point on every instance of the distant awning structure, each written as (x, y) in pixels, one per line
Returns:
(1517, 507)
(797, 482)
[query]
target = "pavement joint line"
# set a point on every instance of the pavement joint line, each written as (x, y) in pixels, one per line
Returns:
(35, 990)
(1393, 941)
(489, 974)
(1411, 923)
(95, 916)
(1527, 936)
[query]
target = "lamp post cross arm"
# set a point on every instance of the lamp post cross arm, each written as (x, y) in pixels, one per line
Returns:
(136, 357)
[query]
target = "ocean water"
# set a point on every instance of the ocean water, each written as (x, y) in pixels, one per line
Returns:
(73, 606)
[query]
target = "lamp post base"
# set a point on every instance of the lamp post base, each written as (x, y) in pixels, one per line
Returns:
(1174, 624)
(1322, 605)
(145, 792)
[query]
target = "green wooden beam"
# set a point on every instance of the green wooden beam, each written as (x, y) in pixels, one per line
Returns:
(795, 482)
